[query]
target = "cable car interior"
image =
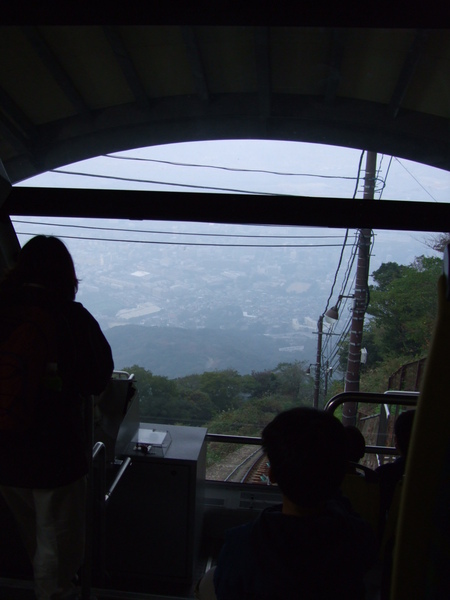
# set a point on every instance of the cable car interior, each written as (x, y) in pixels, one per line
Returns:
(69, 93)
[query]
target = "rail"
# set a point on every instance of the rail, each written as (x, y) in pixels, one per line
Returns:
(243, 466)
(125, 464)
(98, 495)
(388, 398)
(404, 399)
(100, 498)
(391, 397)
(233, 439)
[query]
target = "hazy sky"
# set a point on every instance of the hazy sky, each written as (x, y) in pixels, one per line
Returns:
(268, 167)
(301, 169)
(263, 167)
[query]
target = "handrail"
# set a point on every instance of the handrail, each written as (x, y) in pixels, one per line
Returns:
(404, 399)
(390, 397)
(257, 441)
(98, 447)
(125, 464)
(233, 439)
(99, 450)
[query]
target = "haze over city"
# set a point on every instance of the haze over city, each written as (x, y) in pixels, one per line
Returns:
(274, 281)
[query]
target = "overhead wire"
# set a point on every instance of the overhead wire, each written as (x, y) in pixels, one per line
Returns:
(153, 182)
(334, 350)
(196, 165)
(350, 261)
(331, 345)
(168, 243)
(346, 236)
(415, 179)
(231, 169)
(182, 233)
(328, 349)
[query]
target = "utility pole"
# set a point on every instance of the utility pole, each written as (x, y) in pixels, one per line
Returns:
(318, 361)
(349, 409)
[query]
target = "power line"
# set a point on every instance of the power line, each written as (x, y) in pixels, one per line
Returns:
(347, 273)
(346, 235)
(120, 240)
(416, 180)
(183, 185)
(232, 169)
(200, 234)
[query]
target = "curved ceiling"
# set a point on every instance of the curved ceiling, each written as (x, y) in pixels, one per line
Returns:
(70, 93)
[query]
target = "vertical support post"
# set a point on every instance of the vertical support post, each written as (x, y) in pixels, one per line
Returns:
(10, 246)
(86, 568)
(327, 373)
(318, 361)
(349, 409)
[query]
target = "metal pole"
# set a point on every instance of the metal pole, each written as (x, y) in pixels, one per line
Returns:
(86, 568)
(349, 409)
(327, 371)
(318, 359)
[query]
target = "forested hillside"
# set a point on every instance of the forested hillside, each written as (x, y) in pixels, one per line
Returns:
(399, 322)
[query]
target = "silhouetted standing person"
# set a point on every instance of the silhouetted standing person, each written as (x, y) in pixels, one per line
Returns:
(43, 454)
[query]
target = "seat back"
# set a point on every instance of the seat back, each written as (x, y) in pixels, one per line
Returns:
(364, 495)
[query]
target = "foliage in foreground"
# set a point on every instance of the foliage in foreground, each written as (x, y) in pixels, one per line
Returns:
(225, 401)
(401, 315)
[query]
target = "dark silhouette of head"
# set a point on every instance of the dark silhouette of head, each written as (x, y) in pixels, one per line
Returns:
(45, 261)
(403, 429)
(356, 444)
(306, 449)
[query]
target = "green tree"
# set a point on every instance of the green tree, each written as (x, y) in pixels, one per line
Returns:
(265, 383)
(201, 408)
(143, 380)
(159, 397)
(224, 388)
(386, 274)
(404, 307)
(294, 382)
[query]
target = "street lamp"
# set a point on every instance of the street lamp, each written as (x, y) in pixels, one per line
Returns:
(332, 314)
(329, 316)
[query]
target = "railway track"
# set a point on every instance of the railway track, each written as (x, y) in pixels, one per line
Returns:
(259, 472)
(252, 469)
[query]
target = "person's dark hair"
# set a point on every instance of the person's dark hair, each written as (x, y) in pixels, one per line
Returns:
(306, 449)
(356, 444)
(45, 260)
(403, 428)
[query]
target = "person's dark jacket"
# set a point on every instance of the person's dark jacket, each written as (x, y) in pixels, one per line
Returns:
(389, 475)
(53, 451)
(283, 557)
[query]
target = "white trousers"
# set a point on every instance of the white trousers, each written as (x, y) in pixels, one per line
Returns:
(205, 587)
(52, 525)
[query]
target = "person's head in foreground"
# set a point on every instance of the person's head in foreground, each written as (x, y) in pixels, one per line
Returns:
(306, 449)
(44, 261)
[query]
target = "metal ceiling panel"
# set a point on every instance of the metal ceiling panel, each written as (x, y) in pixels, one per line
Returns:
(71, 92)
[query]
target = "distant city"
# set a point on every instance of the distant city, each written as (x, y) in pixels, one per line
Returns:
(276, 291)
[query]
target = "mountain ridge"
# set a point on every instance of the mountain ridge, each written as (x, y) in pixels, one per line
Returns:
(176, 352)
